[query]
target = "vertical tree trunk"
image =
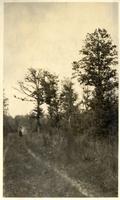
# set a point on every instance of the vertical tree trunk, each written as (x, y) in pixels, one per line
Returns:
(38, 116)
(38, 124)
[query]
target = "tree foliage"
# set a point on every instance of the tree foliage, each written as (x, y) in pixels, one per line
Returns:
(31, 90)
(51, 95)
(40, 87)
(5, 104)
(95, 69)
(86, 99)
(68, 99)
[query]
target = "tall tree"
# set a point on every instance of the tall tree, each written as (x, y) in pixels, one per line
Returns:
(6, 117)
(5, 104)
(31, 90)
(68, 99)
(51, 95)
(95, 68)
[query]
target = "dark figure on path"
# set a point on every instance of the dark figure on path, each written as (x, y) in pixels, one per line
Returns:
(20, 132)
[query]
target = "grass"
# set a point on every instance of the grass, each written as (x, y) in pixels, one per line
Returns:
(84, 158)
(26, 177)
(94, 161)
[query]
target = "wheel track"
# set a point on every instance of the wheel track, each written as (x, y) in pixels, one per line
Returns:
(81, 187)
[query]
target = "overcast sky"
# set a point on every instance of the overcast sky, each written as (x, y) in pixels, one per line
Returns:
(49, 35)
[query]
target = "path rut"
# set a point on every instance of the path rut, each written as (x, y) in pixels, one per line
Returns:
(29, 175)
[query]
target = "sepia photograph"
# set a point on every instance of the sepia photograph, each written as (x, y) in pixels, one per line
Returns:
(60, 99)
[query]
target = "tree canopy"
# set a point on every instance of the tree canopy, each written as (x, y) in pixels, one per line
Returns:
(96, 69)
(39, 86)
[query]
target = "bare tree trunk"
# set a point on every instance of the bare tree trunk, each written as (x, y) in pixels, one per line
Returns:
(38, 116)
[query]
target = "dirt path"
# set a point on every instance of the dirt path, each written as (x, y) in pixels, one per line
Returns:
(29, 175)
(26, 175)
(81, 187)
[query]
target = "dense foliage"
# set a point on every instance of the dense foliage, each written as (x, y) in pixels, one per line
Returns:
(95, 69)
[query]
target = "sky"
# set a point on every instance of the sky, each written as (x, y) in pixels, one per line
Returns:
(49, 36)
